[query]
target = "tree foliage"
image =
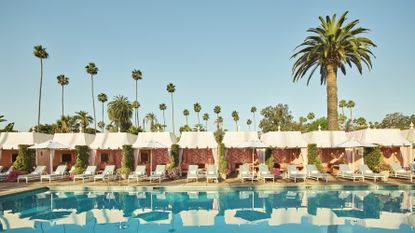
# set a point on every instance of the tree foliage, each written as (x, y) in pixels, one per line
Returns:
(312, 156)
(127, 160)
(397, 120)
(373, 158)
(174, 152)
(120, 111)
(82, 159)
(25, 160)
(223, 164)
(279, 115)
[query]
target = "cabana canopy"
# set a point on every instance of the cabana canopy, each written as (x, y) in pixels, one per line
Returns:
(234, 139)
(408, 134)
(382, 137)
(12, 140)
(112, 141)
(74, 139)
(284, 139)
(325, 139)
(194, 140)
(165, 138)
(49, 145)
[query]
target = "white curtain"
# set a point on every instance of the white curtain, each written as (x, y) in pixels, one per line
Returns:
(51, 157)
(261, 155)
(405, 155)
(215, 156)
(304, 156)
(136, 154)
(92, 156)
(180, 160)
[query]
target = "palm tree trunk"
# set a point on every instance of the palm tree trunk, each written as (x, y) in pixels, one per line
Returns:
(164, 122)
(172, 112)
(198, 118)
(254, 122)
(102, 109)
(332, 100)
(136, 99)
(63, 101)
(236, 125)
(187, 120)
(206, 125)
(40, 95)
(93, 102)
(343, 111)
(351, 114)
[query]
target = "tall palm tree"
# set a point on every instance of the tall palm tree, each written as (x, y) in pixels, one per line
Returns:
(120, 111)
(206, 118)
(83, 119)
(197, 108)
(350, 105)
(163, 108)
(171, 89)
(102, 97)
(40, 53)
(331, 47)
(235, 116)
(2, 119)
(219, 121)
(136, 105)
(253, 110)
(66, 124)
(186, 115)
(310, 116)
(249, 122)
(152, 119)
(92, 70)
(342, 105)
(63, 81)
(136, 75)
(217, 109)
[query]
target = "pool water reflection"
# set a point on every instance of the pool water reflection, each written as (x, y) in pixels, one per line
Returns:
(242, 211)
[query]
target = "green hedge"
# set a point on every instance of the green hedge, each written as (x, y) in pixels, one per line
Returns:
(269, 159)
(223, 164)
(127, 161)
(174, 152)
(373, 158)
(82, 159)
(25, 160)
(313, 156)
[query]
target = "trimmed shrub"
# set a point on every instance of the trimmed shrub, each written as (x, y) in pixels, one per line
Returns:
(82, 157)
(313, 156)
(223, 164)
(25, 159)
(174, 152)
(127, 161)
(373, 157)
(269, 159)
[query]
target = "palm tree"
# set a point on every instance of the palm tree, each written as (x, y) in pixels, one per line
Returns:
(136, 105)
(163, 108)
(2, 119)
(342, 105)
(171, 89)
(217, 110)
(197, 109)
(206, 118)
(92, 70)
(350, 104)
(136, 75)
(102, 97)
(253, 110)
(83, 119)
(310, 116)
(120, 111)
(249, 122)
(40, 53)
(219, 121)
(235, 116)
(186, 115)
(331, 47)
(66, 124)
(152, 119)
(63, 81)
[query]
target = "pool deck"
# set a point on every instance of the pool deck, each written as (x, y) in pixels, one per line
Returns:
(178, 185)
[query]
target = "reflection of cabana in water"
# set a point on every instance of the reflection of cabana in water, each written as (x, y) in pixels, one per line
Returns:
(198, 148)
(395, 148)
(107, 148)
(10, 141)
(68, 156)
(325, 217)
(105, 216)
(288, 147)
(198, 217)
(12, 221)
(386, 220)
(159, 155)
(283, 216)
(234, 154)
(328, 150)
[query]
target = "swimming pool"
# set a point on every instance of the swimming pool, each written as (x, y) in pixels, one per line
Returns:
(213, 211)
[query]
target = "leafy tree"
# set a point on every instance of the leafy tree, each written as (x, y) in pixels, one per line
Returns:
(342, 105)
(102, 97)
(280, 115)
(83, 119)
(206, 118)
(120, 111)
(163, 108)
(186, 115)
(253, 110)
(313, 156)
(235, 116)
(40, 53)
(127, 160)
(66, 124)
(332, 46)
(361, 123)
(197, 108)
(396, 120)
(136, 75)
(322, 122)
(25, 159)
(63, 81)
(249, 122)
(92, 70)
(171, 89)
(82, 156)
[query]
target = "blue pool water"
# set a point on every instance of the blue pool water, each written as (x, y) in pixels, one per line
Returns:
(232, 211)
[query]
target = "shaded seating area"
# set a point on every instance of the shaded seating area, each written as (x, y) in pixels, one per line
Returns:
(89, 173)
(35, 175)
(346, 173)
(138, 174)
(369, 174)
(314, 173)
(107, 174)
(59, 174)
(294, 174)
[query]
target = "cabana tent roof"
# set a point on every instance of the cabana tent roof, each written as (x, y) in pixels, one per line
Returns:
(112, 141)
(165, 138)
(197, 140)
(382, 137)
(74, 139)
(408, 134)
(284, 139)
(325, 139)
(236, 138)
(12, 140)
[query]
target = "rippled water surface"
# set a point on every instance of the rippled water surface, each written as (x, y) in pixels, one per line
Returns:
(234, 211)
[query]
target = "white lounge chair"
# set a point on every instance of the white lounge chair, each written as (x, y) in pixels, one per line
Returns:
(158, 174)
(245, 173)
(314, 173)
(59, 174)
(5, 175)
(212, 173)
(108, 173)
(399, 172)
(34, 175)
(264, 173)
(346, 173)
(139, 173)
(192, 173)
(294, 174)
(89, 173)
(369, 174)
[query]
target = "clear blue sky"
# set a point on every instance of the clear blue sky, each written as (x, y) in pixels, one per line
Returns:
(231, 53)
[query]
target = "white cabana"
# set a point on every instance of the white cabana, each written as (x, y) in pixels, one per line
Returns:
(197, 142)
(51, 146)
(233, 139)
(234, 154)
(11, 221)
(74, 139)
(408, 134)
(325, 139)
(198, 217)
(151, 145)
(325, 217)
(252, 144)
(355, 147)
